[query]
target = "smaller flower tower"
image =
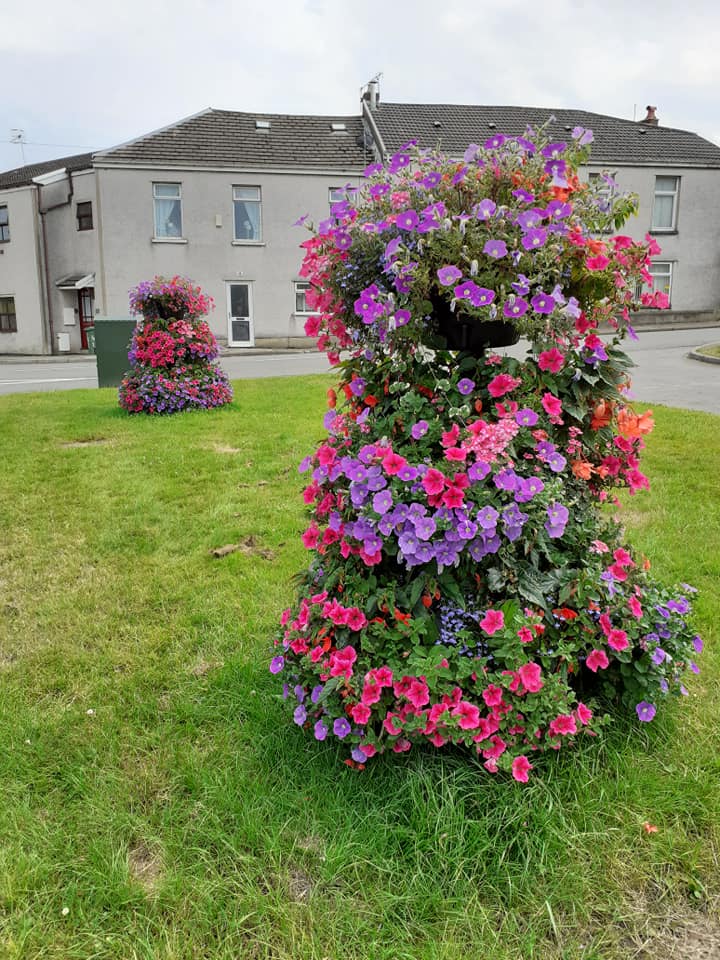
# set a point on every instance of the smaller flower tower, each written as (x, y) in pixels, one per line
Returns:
(172, 351)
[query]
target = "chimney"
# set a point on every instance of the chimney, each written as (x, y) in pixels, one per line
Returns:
(372, 94)
(651, 120)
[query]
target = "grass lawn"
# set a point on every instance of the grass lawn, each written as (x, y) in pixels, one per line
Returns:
(710, 350)
(156, 803)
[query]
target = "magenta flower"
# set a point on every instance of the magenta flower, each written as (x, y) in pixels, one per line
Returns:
(521, 766)
(407, 220)
(493, 621)
(645, 711)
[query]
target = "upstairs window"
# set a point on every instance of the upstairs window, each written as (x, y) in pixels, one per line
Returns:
(8, 321)
(665, 204)
(84, 215)
(247, 214)
(167, 202)
(4, 225)
(336, 195)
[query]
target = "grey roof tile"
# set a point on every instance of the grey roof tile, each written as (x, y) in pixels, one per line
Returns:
(224, 138)
(453, 126)
(21, 176)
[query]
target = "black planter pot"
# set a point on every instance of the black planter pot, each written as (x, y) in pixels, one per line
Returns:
(469, 334)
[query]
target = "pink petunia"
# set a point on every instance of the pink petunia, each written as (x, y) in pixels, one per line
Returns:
(584, 714)
(356, 619)
(393, 463)
(492, 695)
(635, 607)
(525, 634)
(597, 660)
(360, 713)
(551, 360)
(551, 405)
(433, 482)
(418, 694)
(618, 640)
(530, 674)
(469, 715)
(562, 725)
(341, 662)
(311, 537)
(598, 262)
(493, 621)
(501, 384)
(521, 766)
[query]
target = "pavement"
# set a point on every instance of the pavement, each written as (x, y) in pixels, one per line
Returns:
(664, 374)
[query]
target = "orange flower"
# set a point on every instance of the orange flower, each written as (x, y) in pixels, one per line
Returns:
(602, 414)
(331, 398)
(649, 827)
(582, 469)
(633, 426)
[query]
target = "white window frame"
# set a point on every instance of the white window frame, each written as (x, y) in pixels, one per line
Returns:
(242, 241)
(300, 287)
(157, 236)
(675, 194)
(11, 326)
(5, 225)
(336, 195)
(659, 275)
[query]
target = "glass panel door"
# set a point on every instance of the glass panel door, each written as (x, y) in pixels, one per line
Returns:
(240, 321)
(86, 311)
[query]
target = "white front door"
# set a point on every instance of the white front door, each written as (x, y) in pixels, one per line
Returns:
(240, 319)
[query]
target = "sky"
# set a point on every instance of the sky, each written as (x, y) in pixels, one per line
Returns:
(82, 75)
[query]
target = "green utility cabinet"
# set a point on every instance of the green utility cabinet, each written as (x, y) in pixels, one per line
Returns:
(112, 342)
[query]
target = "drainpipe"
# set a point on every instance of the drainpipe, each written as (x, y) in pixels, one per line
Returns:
(42, 276)
(39, 182)
(370, 120)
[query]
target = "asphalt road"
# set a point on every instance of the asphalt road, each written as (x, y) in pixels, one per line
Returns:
(664, 373)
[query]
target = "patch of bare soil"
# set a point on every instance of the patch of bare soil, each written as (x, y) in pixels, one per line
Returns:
(678, 933)
(224, 448)
(203, 667)
(300, 886)
(250, 545)
(144, 866)
(87, 442)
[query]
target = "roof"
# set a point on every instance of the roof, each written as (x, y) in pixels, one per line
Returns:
(21, 176)
(224, 138)
(452, 127)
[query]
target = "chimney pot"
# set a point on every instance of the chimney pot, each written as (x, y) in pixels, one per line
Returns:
(651, 119)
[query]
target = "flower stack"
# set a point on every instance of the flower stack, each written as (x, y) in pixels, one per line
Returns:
(172, 351)
(467, 583)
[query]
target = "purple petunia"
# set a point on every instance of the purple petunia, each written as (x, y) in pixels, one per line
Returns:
(276, 664)
(495, 249)
(526, 417)
(419, 429)
(320, 730)
(407, 220)
(341, 728)
(543, 303)
(645, 711)
(300, 715)
(466, 386)
(515, 307)
(485, 209)
(448, 275)
(534, 238)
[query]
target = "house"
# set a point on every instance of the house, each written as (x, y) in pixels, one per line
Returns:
(675, 173)
(214, 197)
